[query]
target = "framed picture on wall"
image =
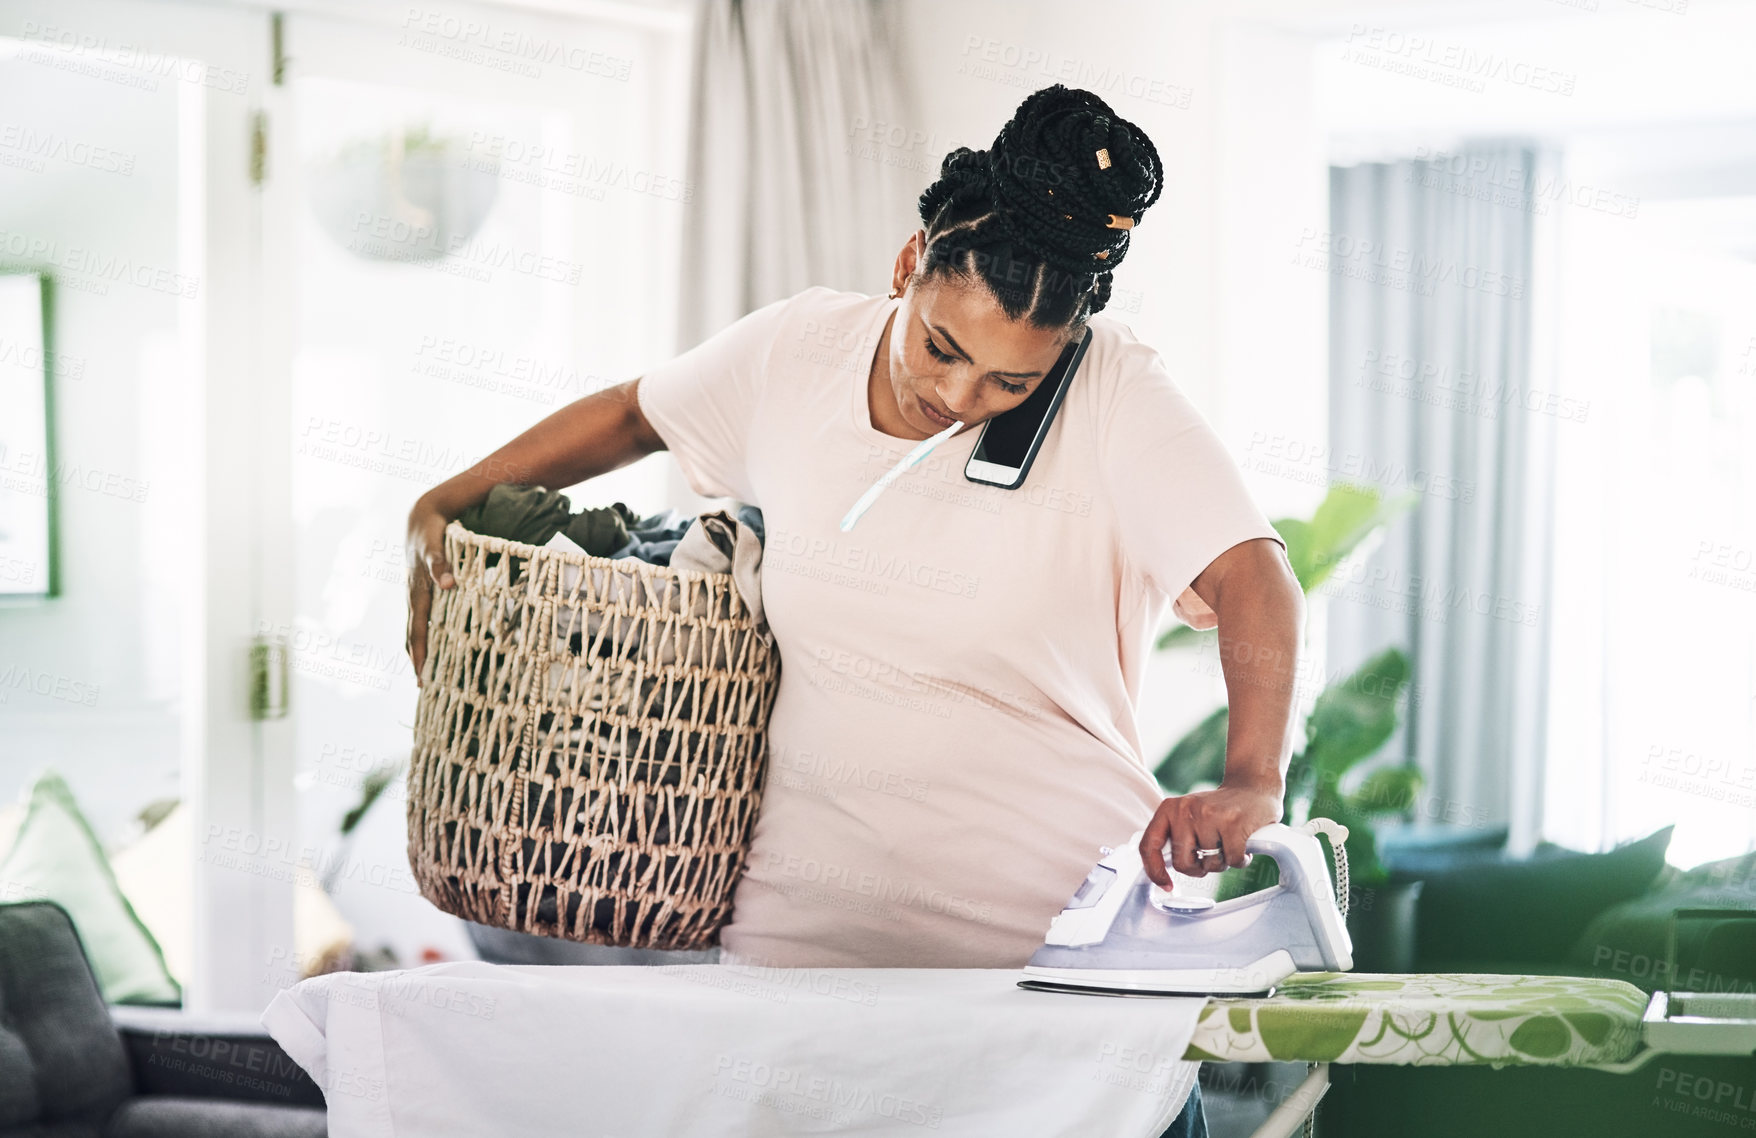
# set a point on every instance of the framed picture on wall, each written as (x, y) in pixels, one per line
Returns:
(27, 492)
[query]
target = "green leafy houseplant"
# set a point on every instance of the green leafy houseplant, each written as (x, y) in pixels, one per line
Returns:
(1349, 722)
(372, 788)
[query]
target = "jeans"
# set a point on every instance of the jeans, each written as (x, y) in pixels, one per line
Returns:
(1192, 1123)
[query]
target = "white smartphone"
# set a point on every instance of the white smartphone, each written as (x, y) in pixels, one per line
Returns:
(1009, 442)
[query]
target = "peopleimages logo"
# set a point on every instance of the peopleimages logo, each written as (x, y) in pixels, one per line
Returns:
(1705, 1097)
(828, 878)
(36, 146)
(1021, 65)
(1449, 64)
(1398, 267)
(147, 67)
(833, 772)
(1478, 171)
(229, 847)
(505, 47)
(97, 268)
(794, 1090)
(886, 565)
(49, 685)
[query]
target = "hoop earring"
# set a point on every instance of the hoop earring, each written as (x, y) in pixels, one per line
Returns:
(893, 293)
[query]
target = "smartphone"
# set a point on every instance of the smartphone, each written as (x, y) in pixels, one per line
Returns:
(1010, 441)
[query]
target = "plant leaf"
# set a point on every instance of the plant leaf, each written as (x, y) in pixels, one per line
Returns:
(1301, 548)
(1180, 634)
(1200, 756)
(370, 788)
(1347, 516)
(1387, 790)
(1260, 874)
(1356, 716)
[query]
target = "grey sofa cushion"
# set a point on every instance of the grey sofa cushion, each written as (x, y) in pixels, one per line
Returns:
(170, 1116)
(18, 1084)
(60, 1059)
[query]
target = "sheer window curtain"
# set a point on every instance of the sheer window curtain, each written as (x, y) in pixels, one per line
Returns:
(786, 193)
(1439, 384)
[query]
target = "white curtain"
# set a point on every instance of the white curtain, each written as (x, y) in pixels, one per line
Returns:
(1440, 382)
(800, 155)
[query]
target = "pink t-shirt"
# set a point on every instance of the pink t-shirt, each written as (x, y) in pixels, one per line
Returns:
(954, 736)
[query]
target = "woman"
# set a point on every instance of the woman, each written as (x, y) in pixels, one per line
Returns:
(954, 735)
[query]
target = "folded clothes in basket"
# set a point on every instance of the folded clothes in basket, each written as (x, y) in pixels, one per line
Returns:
(535, 514)
(720, 543)
(716, 542)
(529, 514)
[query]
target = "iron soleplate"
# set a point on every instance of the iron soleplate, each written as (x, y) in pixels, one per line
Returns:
(1098, 990)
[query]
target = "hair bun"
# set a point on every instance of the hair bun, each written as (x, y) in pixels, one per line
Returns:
(964, 176)
(1052, 187)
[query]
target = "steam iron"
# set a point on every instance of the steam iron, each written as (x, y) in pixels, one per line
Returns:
(1122, 935)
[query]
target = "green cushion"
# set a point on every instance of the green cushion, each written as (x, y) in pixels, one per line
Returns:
(1533, 909)
(56, 857)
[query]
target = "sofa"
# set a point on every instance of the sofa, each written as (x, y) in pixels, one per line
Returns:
(73, 1067)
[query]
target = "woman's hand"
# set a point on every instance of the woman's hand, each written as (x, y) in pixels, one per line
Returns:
(1254, 598)
(592, 435)
(427, 566)
(1221, 819)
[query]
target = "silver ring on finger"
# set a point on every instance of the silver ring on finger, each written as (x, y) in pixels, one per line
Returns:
(1209, 853)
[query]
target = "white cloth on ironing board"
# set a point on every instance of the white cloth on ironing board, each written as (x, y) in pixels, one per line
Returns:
(717, 1051)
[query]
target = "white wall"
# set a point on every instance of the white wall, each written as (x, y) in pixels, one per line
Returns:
(1557, 70)
(90, 181)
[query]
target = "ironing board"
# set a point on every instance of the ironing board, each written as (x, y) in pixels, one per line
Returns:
(1427, 1020)
(1321, 1018)
(1317, 1018)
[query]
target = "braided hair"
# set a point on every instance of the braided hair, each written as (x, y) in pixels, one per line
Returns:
(1040, 217)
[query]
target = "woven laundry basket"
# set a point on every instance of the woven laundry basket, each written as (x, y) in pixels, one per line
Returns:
(589, 745)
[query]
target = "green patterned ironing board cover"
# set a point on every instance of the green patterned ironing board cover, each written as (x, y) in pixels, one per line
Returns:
(1427, 1020)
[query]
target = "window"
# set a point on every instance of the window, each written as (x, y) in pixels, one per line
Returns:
(1653, 672)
